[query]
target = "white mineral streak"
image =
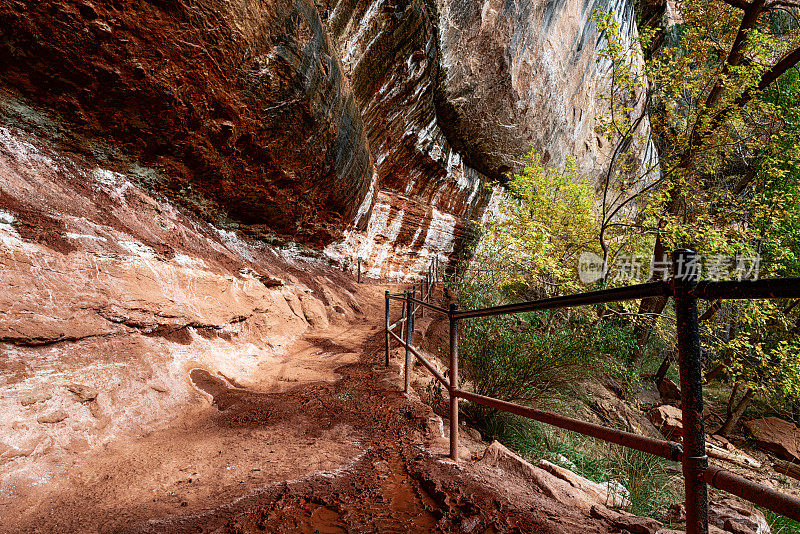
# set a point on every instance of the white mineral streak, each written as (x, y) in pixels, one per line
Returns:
(139, 249)
(383, 256)
(366, 204)
(9, 237)
(72, 235)
(354, 45)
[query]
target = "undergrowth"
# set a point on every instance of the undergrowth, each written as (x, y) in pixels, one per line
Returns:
(779, 524)
(541, 359)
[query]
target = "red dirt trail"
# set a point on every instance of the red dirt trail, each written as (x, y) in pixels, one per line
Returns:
(349, 455)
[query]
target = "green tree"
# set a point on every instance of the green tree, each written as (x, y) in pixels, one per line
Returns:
(544, 221)
(714, 121)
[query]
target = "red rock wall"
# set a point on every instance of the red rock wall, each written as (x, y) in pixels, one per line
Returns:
(296, 119)
(241, 103)
(111, 297)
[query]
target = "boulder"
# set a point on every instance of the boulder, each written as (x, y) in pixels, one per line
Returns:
(52, 417)
(314, 311)
(670, 392)
(82, 393)
(556, 482)
(777, 436)
(497, 455)
(668, 420)
(647, 399)
(616, 412)
(608, 493)
(733, 516)
(627, 522)
(33, 398)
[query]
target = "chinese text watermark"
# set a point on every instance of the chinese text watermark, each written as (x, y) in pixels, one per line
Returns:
(632, 268)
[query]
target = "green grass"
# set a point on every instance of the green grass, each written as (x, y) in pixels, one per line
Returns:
(780, 524)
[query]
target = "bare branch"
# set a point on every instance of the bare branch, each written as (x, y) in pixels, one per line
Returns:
(780, 3)
(741, 4)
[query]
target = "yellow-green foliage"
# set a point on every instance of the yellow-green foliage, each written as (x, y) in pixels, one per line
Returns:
(545, 221)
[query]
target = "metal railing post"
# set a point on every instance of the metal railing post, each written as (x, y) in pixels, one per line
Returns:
(403, 324)
(422, 298)
(409, 320)
(386, 297)
(695, 461)
(411, 314)
(453, 382)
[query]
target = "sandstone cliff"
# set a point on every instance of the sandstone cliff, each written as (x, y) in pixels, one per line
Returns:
(297, 118)
(453, 92)
(160, 161)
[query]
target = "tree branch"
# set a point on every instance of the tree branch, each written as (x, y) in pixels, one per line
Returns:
(741, 4)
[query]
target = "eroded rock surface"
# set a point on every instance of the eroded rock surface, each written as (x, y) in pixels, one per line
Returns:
(777, 436)
(669, 421)
(297, 118)
(111, 297)
(454, 92)
(733, 516)
(245, 104)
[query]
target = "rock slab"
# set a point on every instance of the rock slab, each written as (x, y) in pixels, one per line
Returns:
(777, 436)
(733, 516)
(668, 420)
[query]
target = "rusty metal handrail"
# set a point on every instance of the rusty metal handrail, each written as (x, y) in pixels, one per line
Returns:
(658, 447)
(409, 312)
(686, 290)
(396, 323)
(435, 372)
(652, 289)
(781, 288)
(429, 306)
(748, 490)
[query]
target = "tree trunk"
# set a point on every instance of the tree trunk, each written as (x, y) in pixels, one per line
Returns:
(717, 370)
(736, 413)
(662, 370)
(787, 468)
(732, 400)
(649, 310)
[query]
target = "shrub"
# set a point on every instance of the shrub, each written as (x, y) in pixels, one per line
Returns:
(527, 358)
(650, 485)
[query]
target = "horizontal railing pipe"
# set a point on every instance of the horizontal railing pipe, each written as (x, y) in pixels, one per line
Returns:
(755, 493)
(422, 359)
(397, 323)
(783, 288)
(656, 447)
(429, 306)
(652, 289)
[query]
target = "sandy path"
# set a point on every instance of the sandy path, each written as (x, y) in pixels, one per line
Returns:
(243, 441)
(293, 454)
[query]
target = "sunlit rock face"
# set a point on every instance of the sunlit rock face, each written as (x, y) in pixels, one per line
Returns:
(366, 127)
(519, 73)
(244, 103)
(453, 92)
